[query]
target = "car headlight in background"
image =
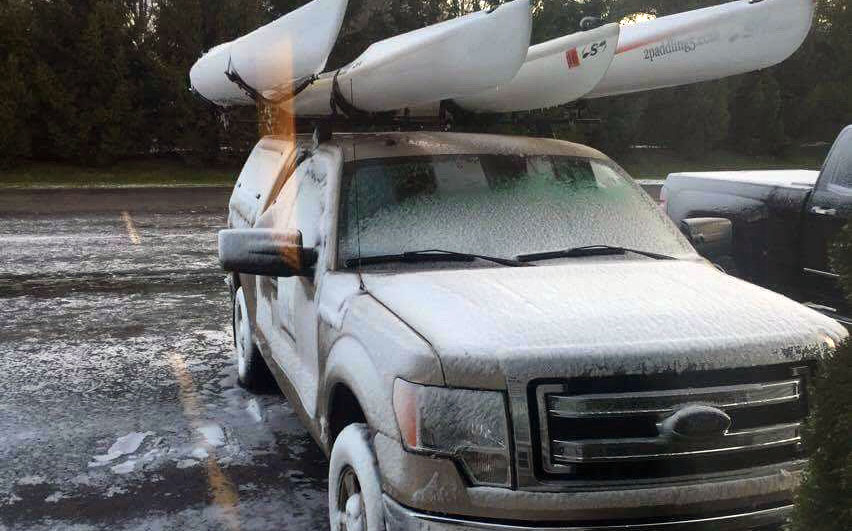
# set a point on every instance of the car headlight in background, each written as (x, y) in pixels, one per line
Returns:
(469, 426)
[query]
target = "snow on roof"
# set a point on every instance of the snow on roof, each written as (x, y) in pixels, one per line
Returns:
(425, 143)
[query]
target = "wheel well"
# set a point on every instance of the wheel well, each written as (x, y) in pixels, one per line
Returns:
(343, 410)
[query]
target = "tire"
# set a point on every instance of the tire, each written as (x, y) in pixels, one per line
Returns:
(354, 488)
(252, 372)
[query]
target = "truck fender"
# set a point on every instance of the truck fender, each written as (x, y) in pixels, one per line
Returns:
(703, 203)
(350, 364)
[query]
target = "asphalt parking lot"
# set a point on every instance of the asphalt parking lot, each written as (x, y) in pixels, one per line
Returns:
(118, 402)
(119, 407)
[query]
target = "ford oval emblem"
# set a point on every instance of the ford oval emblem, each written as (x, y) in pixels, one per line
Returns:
(696, 421)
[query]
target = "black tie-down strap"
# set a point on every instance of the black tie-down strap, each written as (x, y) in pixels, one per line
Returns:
(289, 90)
(349, 110)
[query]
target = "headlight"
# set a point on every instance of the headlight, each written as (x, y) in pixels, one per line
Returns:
(469, 426)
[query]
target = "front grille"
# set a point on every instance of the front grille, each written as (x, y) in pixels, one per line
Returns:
(620, 428)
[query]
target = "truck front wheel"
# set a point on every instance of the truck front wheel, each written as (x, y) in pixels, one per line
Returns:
(354, 488)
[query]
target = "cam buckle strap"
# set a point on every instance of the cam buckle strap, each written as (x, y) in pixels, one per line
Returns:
(349, 110)
(289, 90)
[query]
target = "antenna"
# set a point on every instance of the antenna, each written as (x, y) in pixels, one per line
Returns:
(357, 193)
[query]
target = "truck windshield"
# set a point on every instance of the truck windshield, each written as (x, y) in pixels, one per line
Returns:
(497, 205)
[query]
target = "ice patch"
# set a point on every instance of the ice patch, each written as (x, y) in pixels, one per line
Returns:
(127, 444)
(11, 500)
(214, 335)
(152, 455)
(55, 497)
(253, 409)
(213, 434)
(114, 490)
(186, 463)
(31, 480)
(199, 453)
(82, 479)
(124, 468)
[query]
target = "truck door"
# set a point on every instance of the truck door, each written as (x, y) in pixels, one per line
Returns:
(287, 316)
(257, 182)
(828, 210)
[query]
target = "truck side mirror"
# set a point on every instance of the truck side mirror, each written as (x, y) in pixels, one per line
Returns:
(713, 238)
(265, 252)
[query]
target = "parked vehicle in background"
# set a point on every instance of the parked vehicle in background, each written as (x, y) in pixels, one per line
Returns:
(489, 332)
(773, 228)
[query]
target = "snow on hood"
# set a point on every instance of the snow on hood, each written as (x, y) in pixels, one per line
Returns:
(597, 318)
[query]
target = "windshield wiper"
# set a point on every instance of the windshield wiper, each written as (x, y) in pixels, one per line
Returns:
(589, 250)
(432, 255)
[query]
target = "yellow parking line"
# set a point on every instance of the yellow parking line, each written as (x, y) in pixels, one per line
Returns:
(225, 495)
(131, 228)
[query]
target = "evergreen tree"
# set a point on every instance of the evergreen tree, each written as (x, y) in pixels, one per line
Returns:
(16, 102)
(756, 124)
(823, 501)
(692, 119)
(105, 100)
(621, 121)
(57, 77)
(92, 81)
(182, 121)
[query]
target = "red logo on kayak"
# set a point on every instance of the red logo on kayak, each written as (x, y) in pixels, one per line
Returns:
(573, 58)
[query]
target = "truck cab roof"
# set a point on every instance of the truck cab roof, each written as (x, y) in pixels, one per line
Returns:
(363, 146)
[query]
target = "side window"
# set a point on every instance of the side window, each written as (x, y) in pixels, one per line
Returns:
(279, 213)
(838, 166)
(256, 182)
(309, 206)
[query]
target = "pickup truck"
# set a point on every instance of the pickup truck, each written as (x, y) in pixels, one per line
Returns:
(492, 332)
(782, 224)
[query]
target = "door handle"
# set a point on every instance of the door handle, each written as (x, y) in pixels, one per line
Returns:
(824, 211)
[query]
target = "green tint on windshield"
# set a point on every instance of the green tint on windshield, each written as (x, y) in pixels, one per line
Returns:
(497, 205)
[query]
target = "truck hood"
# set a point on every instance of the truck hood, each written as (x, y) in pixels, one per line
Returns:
(588, 318)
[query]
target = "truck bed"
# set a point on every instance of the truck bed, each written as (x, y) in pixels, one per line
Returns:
(766, 210)
(782, 178)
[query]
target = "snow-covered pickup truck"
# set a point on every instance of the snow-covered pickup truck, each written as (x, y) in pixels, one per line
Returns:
(489, 332)
(773, 228)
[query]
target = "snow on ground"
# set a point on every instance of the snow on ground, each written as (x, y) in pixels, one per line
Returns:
(119, 407)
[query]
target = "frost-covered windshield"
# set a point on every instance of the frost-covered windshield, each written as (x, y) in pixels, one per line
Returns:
(497, 205)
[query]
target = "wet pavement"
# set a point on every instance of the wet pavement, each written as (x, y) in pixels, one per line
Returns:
(119, 407)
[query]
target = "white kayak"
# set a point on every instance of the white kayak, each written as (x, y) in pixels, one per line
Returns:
(270, 60)
(706, 44)
(555, 72)
(462, 56)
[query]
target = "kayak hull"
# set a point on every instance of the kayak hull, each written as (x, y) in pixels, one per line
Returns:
(272, 58)
(706, 44)
(555, 72)
(455, 58)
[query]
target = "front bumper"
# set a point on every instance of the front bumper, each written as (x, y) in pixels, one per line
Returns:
(434, 486)
(399, 518)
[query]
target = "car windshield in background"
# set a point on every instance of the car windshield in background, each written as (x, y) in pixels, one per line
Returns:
(496, 205)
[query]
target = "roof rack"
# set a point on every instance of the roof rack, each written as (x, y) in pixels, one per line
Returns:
(451, 117)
